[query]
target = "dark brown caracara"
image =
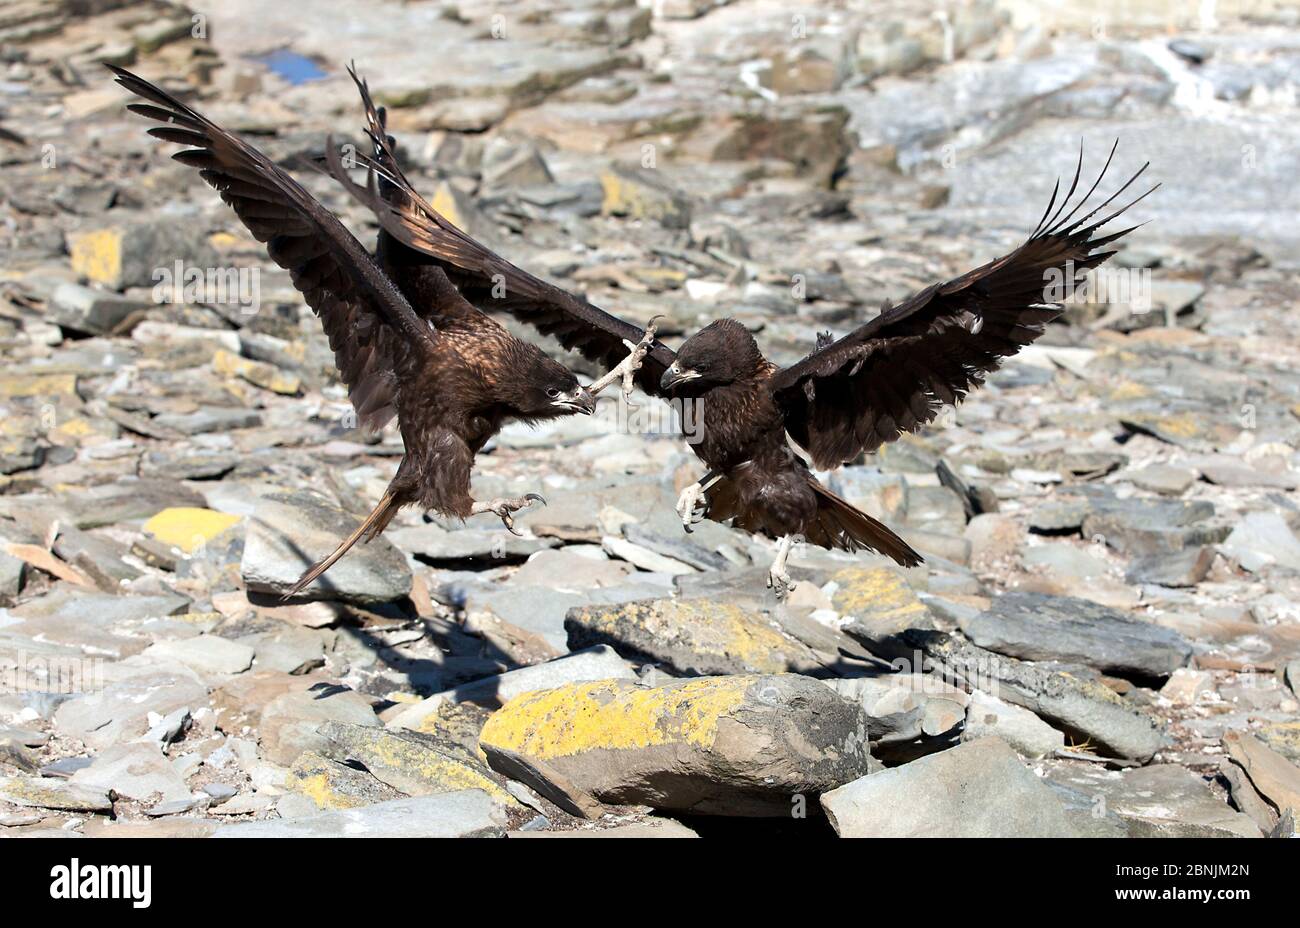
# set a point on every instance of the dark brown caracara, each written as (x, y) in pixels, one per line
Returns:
(405, 342)
(848, 396)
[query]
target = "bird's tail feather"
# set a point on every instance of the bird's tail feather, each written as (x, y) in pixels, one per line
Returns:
(374, 523)
(838, 524)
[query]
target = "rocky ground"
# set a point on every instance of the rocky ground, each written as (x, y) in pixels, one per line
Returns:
(1105, 636)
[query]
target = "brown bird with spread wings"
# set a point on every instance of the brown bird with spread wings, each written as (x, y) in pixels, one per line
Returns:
(405, 341)
(892, 375)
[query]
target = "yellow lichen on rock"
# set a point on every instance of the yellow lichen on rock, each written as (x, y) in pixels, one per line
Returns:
(331, 785)
(311, 777)
(188, 528)
(1283, 737)
(445, 202)
(614, 715)
(1184, 425)
(880, 592)
(638, 195)
(440, 772)
(224, 241)
(722, 637)
(97, 255)
(56, 795)
(1129, 390)
(413, 764)
(316, 787)
(23, 385)
(79, 430)
(258, 373)
(756, 645)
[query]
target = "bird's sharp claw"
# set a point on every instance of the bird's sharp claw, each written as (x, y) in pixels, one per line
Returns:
(781, 584)
(626, 369)
(503, 509)
(506, 519)
(689, 508)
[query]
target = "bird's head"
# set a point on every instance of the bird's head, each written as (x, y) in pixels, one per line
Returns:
(548, 390)
(721, 353)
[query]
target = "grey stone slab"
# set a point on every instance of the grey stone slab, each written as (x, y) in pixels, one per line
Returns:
(468, 813)
(978, 790)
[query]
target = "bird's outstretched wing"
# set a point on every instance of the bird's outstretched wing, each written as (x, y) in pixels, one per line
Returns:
(486, 279)
(893, 374)
(360, 309)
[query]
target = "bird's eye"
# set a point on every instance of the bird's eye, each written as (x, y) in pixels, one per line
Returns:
(553, 392)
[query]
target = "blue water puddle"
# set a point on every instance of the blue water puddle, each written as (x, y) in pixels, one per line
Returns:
(295, 68)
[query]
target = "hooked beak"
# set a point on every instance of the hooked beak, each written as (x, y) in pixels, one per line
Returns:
(675, 375)
(580, 401)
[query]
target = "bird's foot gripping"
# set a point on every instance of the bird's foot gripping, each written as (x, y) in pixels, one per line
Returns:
(690, 507)
(626, 368)
(778, 581)
(505, 507)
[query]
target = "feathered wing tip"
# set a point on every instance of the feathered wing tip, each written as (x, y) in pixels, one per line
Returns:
(383, 160)
(1059, 225)
(841, 525)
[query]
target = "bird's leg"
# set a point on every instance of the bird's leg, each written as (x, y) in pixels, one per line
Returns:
(777, 579)
(629, 365)
(504, 506)
(688, 502)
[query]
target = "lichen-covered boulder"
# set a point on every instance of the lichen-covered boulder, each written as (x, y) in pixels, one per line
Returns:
(759, 745)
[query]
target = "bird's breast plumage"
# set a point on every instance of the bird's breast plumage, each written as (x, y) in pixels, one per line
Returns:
(737, 421)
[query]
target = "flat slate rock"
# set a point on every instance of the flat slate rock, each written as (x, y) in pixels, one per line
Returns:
(1276, 778)
(292, 722)
(908, 715)
(677, 546)
(135, 771)
(653, 828)
(596, 663)
(100, 623)
(1184, 568)
(122, 709)
(329, 784)
(58, 795)
(204, 653)
(1040, 627)
(1162, 800)
(567, 570)
(1139, 527)
(413, 763)
(1262, 539)
(978, 790)
(432, 542)
(291, 530)
(878, 604)
(692, 636)
(469, 813)
(1060, 516)
(1021, 729)
(1068, 699)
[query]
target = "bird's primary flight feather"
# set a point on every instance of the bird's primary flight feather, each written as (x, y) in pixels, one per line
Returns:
(485, 278)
